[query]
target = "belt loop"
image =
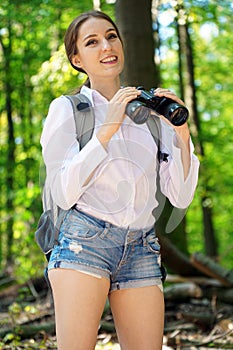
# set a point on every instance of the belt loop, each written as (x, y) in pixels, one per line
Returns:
(144, 238)
(104, 232)
(107, 224)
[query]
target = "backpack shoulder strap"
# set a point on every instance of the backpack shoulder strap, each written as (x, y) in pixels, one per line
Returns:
(83, 116)
(153, 125)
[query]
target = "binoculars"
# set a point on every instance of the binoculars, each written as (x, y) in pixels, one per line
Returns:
(139, 109)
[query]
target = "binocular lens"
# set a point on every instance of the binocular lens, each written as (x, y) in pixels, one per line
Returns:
(179, 116)
(137, 112)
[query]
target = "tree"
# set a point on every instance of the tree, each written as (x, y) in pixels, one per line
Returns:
(135, 23)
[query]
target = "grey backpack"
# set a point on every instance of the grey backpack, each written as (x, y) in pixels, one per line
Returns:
(52, 217)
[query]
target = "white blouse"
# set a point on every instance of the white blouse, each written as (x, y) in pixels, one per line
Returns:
(117, 185)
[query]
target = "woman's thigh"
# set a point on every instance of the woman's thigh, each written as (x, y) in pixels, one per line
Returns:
(139, 317)
(79, 301)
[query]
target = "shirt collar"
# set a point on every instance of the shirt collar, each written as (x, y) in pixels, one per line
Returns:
(94, 96)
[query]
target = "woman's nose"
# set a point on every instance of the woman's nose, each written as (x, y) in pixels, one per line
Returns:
(106, 45)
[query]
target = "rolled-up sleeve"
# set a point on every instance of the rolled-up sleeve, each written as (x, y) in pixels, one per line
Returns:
(68, 169)
(178, 190)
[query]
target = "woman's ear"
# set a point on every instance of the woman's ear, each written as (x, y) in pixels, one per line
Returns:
(76, 61)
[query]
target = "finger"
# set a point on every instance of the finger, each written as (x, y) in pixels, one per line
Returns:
(127, 91)
(125, 95)
(161, 90)
(169, 94)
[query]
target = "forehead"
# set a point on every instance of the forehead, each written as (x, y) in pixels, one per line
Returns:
(95, 25)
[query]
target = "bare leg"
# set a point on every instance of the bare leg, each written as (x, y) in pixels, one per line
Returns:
(139, 317)
(79, 300)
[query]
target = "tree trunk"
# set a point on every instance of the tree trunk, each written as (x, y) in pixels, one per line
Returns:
(134, 20)
(212, 269)
(209, 233)
(171, 224)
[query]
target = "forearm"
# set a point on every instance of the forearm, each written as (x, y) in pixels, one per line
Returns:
(183, 142)
(105, 133)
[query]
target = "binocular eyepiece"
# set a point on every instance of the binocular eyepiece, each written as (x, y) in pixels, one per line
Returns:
(139, 109)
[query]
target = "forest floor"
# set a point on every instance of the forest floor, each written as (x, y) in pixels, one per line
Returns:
(192, 320)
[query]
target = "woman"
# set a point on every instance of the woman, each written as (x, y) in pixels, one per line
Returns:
(107, 244)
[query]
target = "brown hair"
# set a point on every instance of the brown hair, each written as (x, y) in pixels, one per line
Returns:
(71, 35)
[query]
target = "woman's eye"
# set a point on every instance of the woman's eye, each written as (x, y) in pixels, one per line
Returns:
(91, 42)
(112, 36)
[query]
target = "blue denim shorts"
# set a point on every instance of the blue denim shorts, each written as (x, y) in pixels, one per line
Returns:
(129, 259)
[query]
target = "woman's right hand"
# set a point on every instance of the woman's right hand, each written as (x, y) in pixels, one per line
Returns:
(116, 113)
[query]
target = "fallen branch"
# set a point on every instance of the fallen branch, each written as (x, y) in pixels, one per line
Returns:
(181, 291)
(202, 281)
(209, 267)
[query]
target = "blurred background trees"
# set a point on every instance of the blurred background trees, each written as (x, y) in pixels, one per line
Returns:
(185, 45)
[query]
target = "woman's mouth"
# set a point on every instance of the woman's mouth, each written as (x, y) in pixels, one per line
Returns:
(109, 59)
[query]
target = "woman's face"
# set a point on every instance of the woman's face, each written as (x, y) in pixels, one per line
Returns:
(100, 52)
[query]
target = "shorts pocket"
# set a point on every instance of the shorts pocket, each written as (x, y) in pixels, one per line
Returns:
(77, 227)
(152, 242)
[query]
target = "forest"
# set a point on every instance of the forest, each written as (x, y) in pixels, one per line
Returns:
(183, 45)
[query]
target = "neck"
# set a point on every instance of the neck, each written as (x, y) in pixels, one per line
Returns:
(106, 88)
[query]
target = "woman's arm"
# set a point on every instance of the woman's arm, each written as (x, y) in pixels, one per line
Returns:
(182, 132)
(183, 142)
(68, 169)
(179, 176)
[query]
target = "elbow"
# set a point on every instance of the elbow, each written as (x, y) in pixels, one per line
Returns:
(179, 196)
(181, 202)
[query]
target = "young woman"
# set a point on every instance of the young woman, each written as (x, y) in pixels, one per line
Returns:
(107, 243)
